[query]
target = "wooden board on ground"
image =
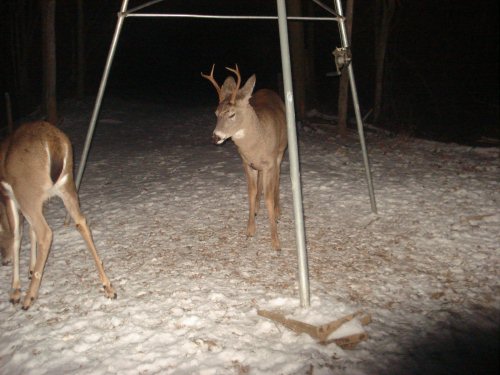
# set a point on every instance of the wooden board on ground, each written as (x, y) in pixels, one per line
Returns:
(322, 332)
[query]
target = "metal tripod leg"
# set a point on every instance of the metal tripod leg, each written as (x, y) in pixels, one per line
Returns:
(294, 158)
(100, 94)
(359, 120)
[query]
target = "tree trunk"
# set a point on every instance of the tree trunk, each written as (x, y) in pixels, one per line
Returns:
(22, 23)
(49, 105)
(343, 100)
(384, 13)
(297, 51)
(311, 88)
(80, 51)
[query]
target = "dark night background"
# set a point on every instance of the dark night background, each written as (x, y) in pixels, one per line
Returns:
(441, 69)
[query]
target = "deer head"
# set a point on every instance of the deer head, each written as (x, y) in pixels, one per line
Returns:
(234, 109)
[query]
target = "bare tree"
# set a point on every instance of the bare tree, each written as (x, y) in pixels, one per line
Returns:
(384, 14)
(310, 40)
(49, 106)
(343, 99)
(80, 51)
(297, 50)
(21, 26)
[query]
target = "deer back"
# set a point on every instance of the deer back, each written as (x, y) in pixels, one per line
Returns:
(35, 157)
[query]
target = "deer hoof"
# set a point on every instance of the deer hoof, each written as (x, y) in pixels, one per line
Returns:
(28, 300)
(109, 291)
(5, 262)
(276, 245)
(15, 296)
(251, 230)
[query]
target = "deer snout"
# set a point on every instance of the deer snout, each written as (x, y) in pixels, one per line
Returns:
(218, 139)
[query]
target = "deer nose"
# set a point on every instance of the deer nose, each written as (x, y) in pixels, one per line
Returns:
(218, 138)
(215, 139)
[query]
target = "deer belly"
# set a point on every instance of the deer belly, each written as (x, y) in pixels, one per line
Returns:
(256, 162)
(259, 166)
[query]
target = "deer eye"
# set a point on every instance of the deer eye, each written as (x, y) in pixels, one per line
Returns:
(231, 115)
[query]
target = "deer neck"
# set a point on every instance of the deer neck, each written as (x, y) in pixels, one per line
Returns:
(249, 132)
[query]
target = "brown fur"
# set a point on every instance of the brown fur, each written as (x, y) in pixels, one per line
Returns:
(257, 125)
(36, 163)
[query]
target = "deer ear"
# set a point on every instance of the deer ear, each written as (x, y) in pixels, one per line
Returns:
(246, 91)
(228, 87)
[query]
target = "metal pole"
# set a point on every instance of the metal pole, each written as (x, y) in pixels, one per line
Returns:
(359, 121)
(294, 157)
(224, 17)
(100, 94)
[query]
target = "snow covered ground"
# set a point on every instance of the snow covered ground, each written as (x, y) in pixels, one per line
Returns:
(168, 212)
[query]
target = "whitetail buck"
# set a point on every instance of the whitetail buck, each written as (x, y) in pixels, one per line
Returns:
(36, 163)
(257, 125)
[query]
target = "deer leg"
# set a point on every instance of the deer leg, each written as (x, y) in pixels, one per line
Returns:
(6, 238)
(252, 182)
(43, 235)
(259, 192)
(277, 209)
(6, 235)
(32, 252)
(269, 181)
(70, 199)
(13, 250)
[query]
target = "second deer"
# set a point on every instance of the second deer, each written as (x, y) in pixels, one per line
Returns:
(36, 163)
(257, 125)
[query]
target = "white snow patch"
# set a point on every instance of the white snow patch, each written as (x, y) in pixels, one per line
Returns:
(168, 212)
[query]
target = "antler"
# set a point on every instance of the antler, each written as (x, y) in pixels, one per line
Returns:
(214, 82)
(238, 82)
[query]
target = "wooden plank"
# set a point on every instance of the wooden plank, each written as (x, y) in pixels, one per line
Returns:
(348, 342)
(294, 325)
(326, 329)
(322, 332)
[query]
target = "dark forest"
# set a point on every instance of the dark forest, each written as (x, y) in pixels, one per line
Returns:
(440, 71)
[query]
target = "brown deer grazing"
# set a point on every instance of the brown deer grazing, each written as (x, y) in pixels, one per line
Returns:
(257, 125)
(36, 163)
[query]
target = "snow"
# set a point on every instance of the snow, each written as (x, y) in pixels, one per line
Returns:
(168, 213)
